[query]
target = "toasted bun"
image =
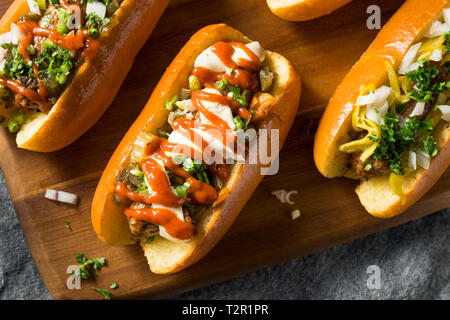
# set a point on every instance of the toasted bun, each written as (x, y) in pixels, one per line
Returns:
(165, 256)
(302, 10)
(403, 29)
(96, 82)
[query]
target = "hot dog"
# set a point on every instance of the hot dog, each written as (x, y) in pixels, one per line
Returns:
(173, 202)
(303, 10)
(387, 123)
(63, 61)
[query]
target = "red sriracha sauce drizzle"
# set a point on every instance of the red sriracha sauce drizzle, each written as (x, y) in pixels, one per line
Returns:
(71, 41)
(161, 193)
(198, 192)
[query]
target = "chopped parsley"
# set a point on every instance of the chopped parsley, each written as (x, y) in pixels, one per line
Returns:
(397, 139)
(88, 266)
(149, 240)
(447, 41)
(114, 285)
(429, 146)
(106, 293)
(427, 82)
(67, 223)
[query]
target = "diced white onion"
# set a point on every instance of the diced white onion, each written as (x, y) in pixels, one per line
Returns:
(295, 214)
(423, 160)
(34, 7)
(209, 60)
(162, 231)
(436, 55)
(220, 110)
(412, 67)
(173, 115)
(15, 34)
(257, 49)
(436, 29)
(61, 196)
(418, 109)
(381, 95)
(186, 105)
(96, 7)
(446, 13)
(412, 160)
(379, 105)
(373, 115)
(366, 99)
(445, 109)
(409, 58)
(381, 112)
(5, 38)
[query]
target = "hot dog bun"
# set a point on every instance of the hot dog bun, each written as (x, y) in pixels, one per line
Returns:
(96, 82)
(303, 10)
(403, 29)
(165, 256)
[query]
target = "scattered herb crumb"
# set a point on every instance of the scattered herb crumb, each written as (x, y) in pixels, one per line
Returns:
(67, 223)
(106, 294)
(149, 240)
(114, 285)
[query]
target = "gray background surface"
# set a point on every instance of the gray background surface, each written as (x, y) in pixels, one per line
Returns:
(414, 260)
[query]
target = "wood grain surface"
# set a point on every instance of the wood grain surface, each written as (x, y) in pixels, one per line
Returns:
(323, 50)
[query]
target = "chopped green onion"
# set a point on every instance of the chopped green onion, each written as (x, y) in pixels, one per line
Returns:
(13, 126)
(19, 117)
(31, 49)
(62, 28)
(42, 4)
(48, 43)
(194, 83)
(238, 123)
(137, 172)
(61, 78)
(93, 32)
(169, 104)
(203, 177)
(237, 96)
(222, 84)
(182, 190)
(6, 46)
(162, 133)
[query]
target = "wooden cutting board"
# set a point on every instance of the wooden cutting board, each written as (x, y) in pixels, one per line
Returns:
(323, 50)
